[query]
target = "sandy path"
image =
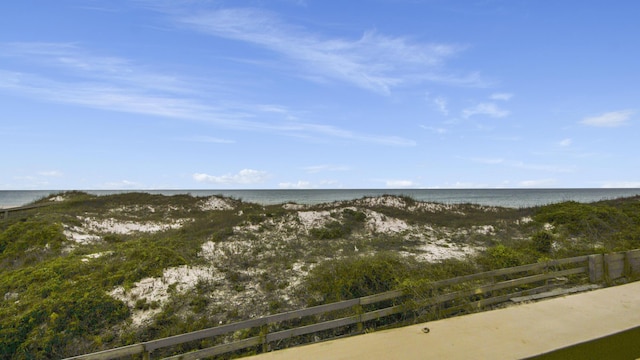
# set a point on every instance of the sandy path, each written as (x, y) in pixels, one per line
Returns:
(511, 333)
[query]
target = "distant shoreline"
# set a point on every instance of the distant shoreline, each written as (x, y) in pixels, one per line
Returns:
(512, 198)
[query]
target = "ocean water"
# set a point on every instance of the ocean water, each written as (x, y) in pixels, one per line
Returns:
(514, 198)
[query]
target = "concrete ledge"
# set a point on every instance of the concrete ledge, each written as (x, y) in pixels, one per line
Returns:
(610, 315)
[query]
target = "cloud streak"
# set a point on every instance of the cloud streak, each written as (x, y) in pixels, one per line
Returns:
(488, 109)
(243, 177)
(373, 62)
(325, 168)
(610, 119)
(501, 96)
(98, 82)
(523, 165)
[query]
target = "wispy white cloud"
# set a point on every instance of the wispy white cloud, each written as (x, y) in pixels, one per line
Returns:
(489, 161)
(621, 184)
(243, 177)
(373, 62)
(524, 165)
(489, 109)
(610, 119)
(301, 184)
(324, 168)
(120, 185)
(537, 183)
(73, 61)
(501, 96)
(208, 139)
(304, 184)
(440, 103)
(400, 183)
(542, 167)
(462, 185)
(51, 173)
(98, 82)
(435, 129)
(565, 142)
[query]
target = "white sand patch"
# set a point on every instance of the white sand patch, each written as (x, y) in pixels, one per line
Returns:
(210, 251)
(377, 222)
(435, 207)
(484, 229)
(290, 206)
(441, 250)
(58, 198)
(180, 279)
(127, 227)
(299, 271)
(80, 235)
(97, 255)
(524, 220)
(132, 209)
(313, 219)
(216, 251)
(400, 203)
(388, 201)
(215, 203)
(246, 228)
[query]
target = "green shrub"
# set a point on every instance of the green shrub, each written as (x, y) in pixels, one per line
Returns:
(350, 219)
(354, 277)
(500, 256)
(584, 219)
(30, 241)
(542, 241)
(332, 230)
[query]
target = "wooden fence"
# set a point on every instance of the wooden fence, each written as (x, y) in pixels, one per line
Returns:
(7, 211)
(442, 298)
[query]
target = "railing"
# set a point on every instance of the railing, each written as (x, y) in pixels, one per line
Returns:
(444, 297)
(7, 211)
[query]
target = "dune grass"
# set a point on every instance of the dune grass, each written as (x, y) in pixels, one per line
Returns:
(55, 291)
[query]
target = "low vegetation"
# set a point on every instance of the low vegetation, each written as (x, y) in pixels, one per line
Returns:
(87, 273)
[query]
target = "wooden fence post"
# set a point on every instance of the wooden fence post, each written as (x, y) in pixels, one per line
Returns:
(358, 311)
(614, 266)
(264, 330)
(633, 262)
(596, 268)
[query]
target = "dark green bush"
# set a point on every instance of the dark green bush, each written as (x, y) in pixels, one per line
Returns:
(37, 236)
(332, 230)
(584, 219)
(542, 241)
(501, 256)
(354, 277)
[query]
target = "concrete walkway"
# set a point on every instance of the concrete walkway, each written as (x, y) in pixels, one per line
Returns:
(515, 332)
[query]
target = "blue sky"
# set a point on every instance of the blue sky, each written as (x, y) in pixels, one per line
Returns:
(114, 94)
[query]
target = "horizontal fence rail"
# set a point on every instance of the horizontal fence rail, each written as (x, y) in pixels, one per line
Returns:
(7, 211)
(463, 293)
